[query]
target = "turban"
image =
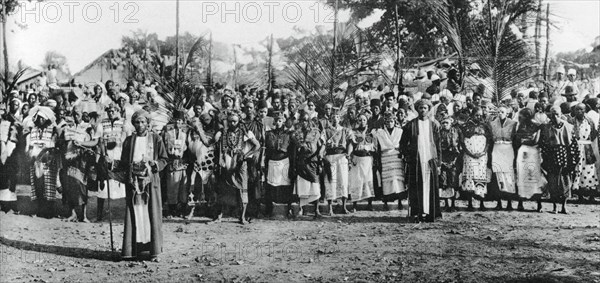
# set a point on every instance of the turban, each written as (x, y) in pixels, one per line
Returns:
(124, 96)
(151, 91)
(51, 103)
(446, 93)
(421, 102)
(43, 111)
(17, 100)
(557, 109)
(140, 113)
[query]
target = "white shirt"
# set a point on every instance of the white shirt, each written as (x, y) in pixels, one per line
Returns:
(386, 140)
(140, 149)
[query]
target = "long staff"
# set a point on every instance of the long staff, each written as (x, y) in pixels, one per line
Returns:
(112, 245)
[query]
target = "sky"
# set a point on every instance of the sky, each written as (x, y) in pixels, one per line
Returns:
(83, 30)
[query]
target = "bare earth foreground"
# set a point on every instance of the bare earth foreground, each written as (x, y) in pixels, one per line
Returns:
(365, 246)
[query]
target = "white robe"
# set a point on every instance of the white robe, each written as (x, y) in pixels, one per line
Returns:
(425, 155)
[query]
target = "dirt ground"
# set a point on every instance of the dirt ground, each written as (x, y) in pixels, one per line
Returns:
(365, 246)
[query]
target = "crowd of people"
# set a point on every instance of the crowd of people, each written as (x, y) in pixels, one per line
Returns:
(251, 148)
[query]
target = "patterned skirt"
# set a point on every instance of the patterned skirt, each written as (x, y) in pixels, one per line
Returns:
(474, 175)
(585, 174)
(44, 177)
(392, 174)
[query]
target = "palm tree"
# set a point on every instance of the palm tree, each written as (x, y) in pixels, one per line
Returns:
(489, 39)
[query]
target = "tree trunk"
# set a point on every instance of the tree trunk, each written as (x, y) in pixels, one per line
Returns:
(270, 64)
(538, 35)
(333, 53)
(209, 71)
(547, 41)
(4, 46)
(177, 45)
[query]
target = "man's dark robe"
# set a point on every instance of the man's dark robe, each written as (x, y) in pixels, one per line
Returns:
(409, 148)
(154, 199)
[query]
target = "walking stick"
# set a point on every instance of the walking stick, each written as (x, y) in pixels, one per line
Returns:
(112, 245)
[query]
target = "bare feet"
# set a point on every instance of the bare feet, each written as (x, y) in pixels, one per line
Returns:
(214, 221)
(191, 214)
(72, 218)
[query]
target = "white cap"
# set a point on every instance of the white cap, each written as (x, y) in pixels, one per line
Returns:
(561, 70)
(572, 72)
(435, 77)
(446, 93)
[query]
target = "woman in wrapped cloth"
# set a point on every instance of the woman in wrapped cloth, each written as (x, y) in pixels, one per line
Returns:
(477, 144)
(361, 172)
(175, 137)
(255, 124)
(335, 164)
(503, 156)
(142, 158)
(77, 140)
(202, 139)
(586, 180)
(390, 162)
(8, 162)
(114, 133)
(530, 181)
(41, 148)
(234, 148)
(560, 156)
(278, 147)
(450, 151)
(306, 157)
(420, 148)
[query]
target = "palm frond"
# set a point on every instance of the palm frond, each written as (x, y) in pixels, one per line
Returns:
(504, 57)
(12, 85)
(198, 46)
(356, 62)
